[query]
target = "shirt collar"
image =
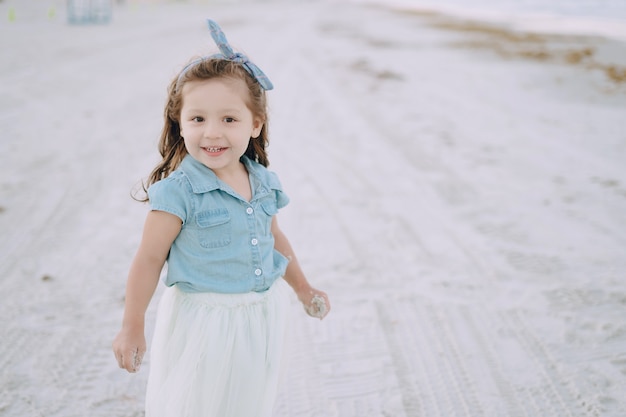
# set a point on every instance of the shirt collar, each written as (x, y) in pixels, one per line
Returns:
(203, 179)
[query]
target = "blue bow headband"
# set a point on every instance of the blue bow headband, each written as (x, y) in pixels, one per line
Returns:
(226, 52)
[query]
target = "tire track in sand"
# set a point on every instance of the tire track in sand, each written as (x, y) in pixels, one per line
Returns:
(344, 212)
(449, 359)
(462, 360)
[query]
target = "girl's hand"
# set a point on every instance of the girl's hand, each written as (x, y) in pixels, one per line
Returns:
(129, 347)
(315, 302)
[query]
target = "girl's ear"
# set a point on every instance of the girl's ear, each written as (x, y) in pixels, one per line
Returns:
(257, 125)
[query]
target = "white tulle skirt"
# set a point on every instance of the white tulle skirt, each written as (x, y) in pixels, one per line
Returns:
(217, 355)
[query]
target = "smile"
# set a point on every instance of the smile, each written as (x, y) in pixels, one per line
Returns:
(214, 150)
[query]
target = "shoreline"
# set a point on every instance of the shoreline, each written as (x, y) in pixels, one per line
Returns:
(541, 23)
(526, 38)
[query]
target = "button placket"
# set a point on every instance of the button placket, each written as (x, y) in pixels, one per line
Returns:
(254, 247)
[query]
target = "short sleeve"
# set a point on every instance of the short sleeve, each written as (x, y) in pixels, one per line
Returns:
(281, 199)
(274, 183)
(171, 196)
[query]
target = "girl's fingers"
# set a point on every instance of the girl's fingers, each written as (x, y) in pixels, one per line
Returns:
(318, 307)
(119, 360)
(130, 360)
(137, 358)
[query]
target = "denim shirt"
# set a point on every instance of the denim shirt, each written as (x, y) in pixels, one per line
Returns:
(225, 244)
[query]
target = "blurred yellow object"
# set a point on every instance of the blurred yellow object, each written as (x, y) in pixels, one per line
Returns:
(11, 14)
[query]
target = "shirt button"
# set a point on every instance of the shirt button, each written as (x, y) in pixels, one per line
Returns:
(249, 210)
(257, 272)
(254, 242)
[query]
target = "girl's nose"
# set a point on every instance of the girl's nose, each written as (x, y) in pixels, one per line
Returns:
(212, 129)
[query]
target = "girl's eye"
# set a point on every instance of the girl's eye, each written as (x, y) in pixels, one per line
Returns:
(229, 119)
(198, 119)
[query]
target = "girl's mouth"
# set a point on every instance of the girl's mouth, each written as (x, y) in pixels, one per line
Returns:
(214, 150)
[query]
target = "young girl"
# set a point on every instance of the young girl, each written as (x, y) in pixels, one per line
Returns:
(220, 326)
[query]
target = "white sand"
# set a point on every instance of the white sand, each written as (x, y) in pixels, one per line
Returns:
(459, 190)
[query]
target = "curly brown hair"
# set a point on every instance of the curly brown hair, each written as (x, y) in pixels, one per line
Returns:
(171, 144)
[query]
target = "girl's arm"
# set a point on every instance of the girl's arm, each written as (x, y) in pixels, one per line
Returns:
(315, 302)
(159, 232)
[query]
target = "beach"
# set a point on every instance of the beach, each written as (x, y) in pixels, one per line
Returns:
(457, 186)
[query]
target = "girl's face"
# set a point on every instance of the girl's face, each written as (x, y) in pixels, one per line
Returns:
(216, 124)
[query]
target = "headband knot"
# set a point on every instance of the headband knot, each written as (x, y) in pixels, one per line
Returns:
(227, 53)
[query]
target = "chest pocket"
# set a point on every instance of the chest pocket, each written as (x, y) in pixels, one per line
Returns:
(270, 209)
(214, 228)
